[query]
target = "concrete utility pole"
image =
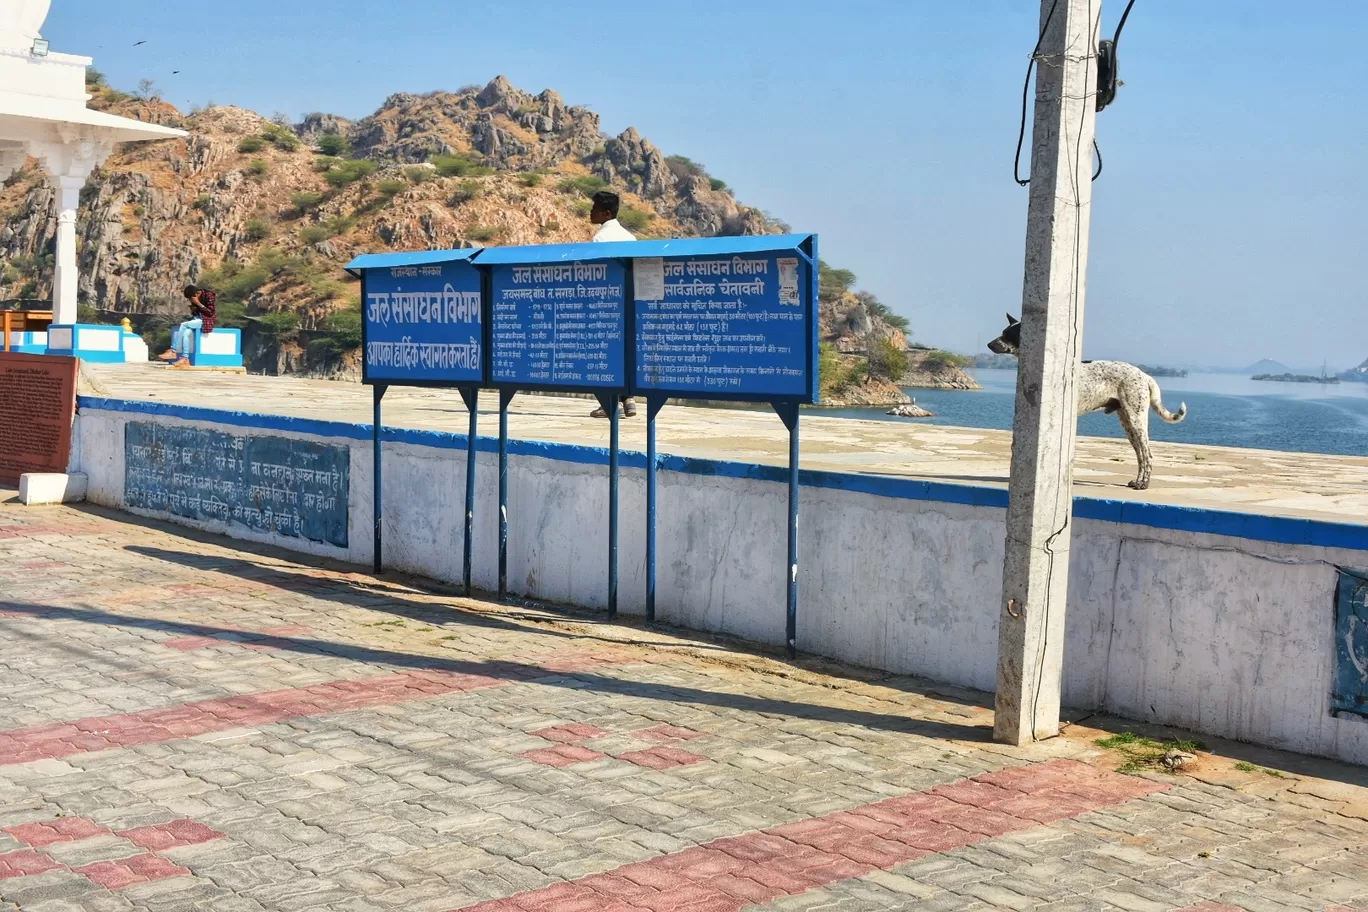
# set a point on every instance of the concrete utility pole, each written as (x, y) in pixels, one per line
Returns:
(1035, 579)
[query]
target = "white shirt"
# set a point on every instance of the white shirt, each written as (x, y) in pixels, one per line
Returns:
(612, 230)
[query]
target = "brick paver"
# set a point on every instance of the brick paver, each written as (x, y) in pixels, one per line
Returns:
(190, 723)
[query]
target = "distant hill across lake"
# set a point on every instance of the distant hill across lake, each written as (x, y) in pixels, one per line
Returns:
(1267, 366)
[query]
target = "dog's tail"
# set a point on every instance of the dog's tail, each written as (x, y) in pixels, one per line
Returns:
(1157, 403)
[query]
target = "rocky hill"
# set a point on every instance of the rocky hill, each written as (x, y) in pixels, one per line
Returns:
(867, 358)
(267, 212)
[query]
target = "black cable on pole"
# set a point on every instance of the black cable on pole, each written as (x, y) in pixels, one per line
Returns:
(1026, 90)
(1116, 38)
(1025, 94)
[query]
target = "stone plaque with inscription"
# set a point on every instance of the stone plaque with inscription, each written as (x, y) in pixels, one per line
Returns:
(37, 405)
(277, 485)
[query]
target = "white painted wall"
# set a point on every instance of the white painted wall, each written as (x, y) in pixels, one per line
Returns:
(1224, 636)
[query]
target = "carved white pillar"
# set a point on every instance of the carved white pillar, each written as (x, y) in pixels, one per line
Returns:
(69, 164)
(66, 275)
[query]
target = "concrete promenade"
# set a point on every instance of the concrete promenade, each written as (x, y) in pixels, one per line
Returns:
(188, 722)
(1332, 488)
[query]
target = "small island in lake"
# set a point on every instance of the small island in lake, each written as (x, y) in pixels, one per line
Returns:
(1295, 378)
(1162, 371)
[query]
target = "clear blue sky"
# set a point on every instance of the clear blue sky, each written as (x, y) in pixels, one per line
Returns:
(1229, 224)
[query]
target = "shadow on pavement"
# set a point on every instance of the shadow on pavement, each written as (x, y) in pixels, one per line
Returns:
(517, 671)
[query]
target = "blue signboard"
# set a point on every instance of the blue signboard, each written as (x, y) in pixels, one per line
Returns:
(1350, 692)
(274, 485)
(423, 320)
(558, 325)
(725, 326)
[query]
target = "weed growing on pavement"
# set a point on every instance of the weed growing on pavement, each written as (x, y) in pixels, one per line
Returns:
(1143, 753)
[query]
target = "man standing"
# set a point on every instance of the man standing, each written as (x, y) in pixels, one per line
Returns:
(604, 214)
(203, 310)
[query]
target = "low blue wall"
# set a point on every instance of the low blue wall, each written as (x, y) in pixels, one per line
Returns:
(1251, 526)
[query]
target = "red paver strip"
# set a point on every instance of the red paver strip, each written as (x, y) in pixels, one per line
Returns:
(727, 875)
(51, 832)
(562, 755)
(150, 726)
(661, 758)
(115, 875)
(573, 733)
(170, 835)
(24, 863)
(668, 734)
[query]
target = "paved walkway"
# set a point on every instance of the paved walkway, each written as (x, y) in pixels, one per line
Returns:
(189, 725)
(1305, 485)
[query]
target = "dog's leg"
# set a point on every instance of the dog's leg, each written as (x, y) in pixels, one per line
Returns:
(1135, 422)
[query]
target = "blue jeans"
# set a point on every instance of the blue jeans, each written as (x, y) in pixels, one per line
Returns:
(180, 337)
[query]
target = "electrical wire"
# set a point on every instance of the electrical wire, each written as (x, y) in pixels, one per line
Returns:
(1116, 38)
(1025, 94)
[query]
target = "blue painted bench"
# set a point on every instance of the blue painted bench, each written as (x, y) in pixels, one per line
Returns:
(87, 341)
(29, 342)
(220, 348)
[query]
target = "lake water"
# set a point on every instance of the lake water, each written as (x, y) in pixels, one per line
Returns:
(1223, 410)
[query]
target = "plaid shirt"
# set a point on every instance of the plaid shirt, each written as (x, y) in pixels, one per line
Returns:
(206, 310)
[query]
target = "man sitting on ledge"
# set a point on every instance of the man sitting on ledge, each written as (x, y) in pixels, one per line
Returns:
(203, 311)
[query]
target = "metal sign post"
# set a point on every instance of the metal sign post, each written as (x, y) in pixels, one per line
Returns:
(559, 319)
(378, 391)
(471, 396)
(788, 413)
(730, 319)
(505, 399)
(422, 317)
(654, 403)
(610, 406)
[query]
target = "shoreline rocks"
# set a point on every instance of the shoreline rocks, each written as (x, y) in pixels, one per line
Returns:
(910, 411)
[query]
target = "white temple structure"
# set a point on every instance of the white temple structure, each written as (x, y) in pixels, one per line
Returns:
(43, 114)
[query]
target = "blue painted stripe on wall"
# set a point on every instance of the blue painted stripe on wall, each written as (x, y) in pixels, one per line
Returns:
(1279, 529)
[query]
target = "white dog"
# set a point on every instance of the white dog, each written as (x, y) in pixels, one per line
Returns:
(1111, 386)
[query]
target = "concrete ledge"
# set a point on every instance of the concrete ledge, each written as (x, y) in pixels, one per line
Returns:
(1251, 526)
(51, 488)
(205, 368)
